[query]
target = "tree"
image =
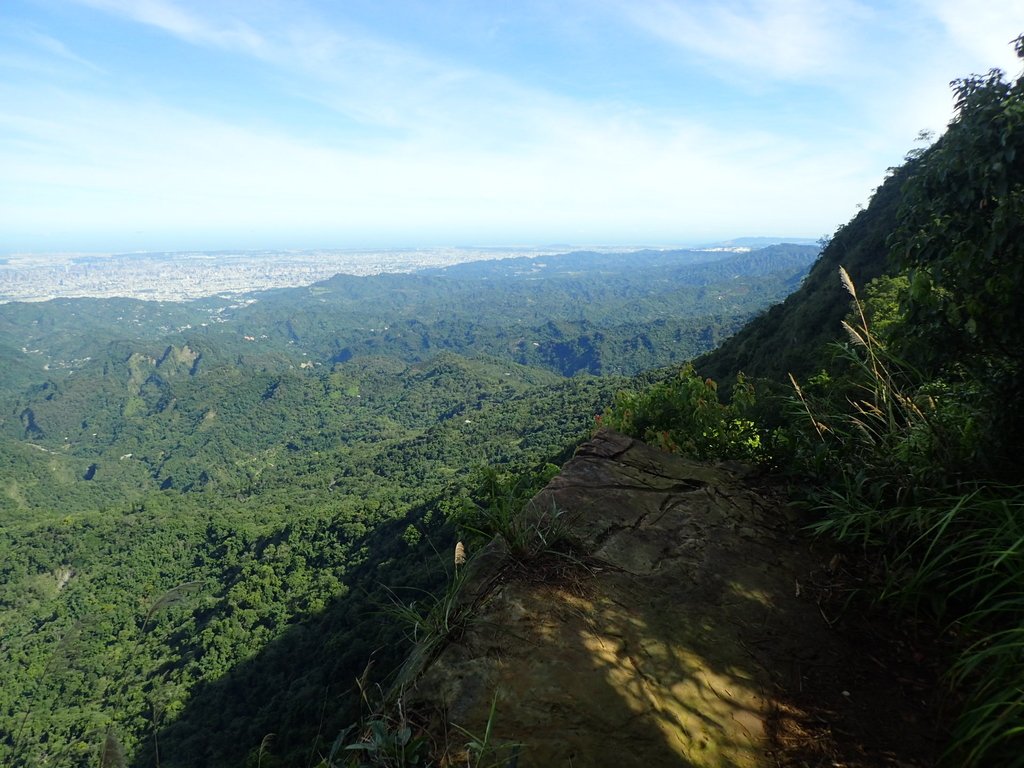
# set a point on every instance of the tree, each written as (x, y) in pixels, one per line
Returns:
(960, 240)
(961, 231)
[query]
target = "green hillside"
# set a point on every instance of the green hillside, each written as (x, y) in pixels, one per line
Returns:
(790, 336)
(207, 506)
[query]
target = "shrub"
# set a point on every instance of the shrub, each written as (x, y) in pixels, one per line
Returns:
(684, 415)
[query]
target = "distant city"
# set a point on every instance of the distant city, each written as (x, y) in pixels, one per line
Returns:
(181, 276)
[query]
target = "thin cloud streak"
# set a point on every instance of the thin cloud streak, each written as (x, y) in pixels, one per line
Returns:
(345, 133)
(782, 39)
(56, 47)
(173, 19)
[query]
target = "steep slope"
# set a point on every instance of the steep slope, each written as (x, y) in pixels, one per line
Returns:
(789, 336)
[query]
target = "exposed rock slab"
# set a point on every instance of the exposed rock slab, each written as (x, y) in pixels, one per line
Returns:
(653, 654)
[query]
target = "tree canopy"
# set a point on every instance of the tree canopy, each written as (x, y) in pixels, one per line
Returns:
(961, 230)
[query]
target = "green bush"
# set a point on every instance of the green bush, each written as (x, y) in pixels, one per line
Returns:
(684, 415)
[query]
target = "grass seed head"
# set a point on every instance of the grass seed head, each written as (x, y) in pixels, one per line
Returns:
(460, 554)
(844, 276)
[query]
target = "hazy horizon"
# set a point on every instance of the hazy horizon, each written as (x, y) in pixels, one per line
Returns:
(175, 125)
(683, 244)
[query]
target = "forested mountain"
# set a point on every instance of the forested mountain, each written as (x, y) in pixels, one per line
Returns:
(204, 505)
(594, 313)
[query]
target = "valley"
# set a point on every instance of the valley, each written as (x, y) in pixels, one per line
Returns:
(188, 484)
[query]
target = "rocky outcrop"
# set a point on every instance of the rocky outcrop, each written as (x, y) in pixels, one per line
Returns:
(646, 647)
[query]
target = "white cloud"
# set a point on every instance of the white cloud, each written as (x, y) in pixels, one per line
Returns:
(983, 30)
(781, 39)
(174, 19)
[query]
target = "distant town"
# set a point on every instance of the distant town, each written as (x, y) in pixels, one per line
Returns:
(186, 275)
(191, 275)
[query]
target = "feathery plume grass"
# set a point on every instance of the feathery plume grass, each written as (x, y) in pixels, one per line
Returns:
(172, 596)
(264, 749)
(57, 656)
(460, 554)
(844, 278)
(111, 752)
(814, 422)
(854, 335)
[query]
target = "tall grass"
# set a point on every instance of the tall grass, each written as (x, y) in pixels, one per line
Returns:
(431, 620)
(390, 736)
(891, 448)
(505, 508)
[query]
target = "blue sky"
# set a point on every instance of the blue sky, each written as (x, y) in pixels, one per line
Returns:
(207, 124)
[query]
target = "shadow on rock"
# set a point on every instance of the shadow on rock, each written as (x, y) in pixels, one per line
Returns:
(658, 648)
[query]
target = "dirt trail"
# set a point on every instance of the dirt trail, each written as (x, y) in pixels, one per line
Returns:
(691, 636)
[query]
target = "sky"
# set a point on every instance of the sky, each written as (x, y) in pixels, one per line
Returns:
(158, 125)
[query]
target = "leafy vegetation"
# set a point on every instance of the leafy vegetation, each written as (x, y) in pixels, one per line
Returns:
(204, 507)
(501, 517)
(292, 545)
(683, 414)
(501, 506)
(961, 245)
(904, 450)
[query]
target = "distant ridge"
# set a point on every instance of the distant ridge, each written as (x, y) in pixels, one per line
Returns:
(758, 242)
(624, 261)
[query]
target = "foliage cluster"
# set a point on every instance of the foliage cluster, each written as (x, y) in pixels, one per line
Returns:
(683, 414)
(961, 244)
(388, 738)
(500, 505)
(961, 232)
